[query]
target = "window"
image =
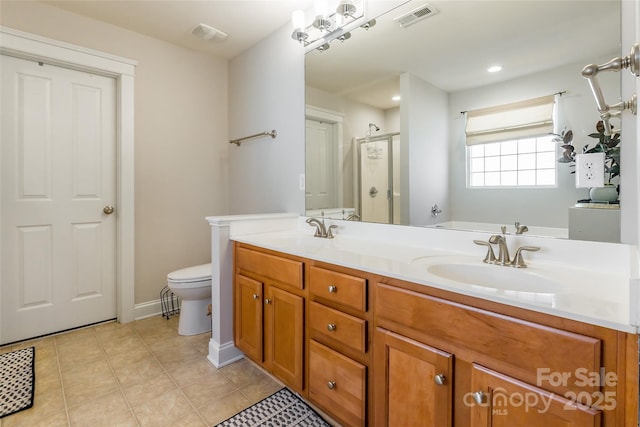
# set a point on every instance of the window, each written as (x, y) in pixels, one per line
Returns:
(522, 162)
(510, 145)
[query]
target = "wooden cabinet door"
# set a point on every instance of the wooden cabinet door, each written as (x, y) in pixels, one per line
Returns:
(414, 382)
(497, 400)
(248, 317)
(283, 335)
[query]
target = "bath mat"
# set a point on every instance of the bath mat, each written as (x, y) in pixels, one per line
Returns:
(17, 381)
(281, 409)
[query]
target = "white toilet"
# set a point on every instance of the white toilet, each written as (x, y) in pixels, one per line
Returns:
(193, 286)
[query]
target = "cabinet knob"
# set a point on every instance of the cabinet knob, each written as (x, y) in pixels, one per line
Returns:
(331, 385)
(267, 301)
(333, 289)
(331, 327)
(440, 379)
(256, 296)
(480, 397)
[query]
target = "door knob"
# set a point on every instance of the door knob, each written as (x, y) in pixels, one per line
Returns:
(331, 385)
(333, 289)
(267, 301)
(440, 379)
(108, 209)
(331, 327)
(255, 296)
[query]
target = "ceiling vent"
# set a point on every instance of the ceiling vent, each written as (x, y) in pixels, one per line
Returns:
(416, 15)
(207, 32)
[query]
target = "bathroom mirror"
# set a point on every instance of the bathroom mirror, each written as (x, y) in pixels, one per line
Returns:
(438, 65)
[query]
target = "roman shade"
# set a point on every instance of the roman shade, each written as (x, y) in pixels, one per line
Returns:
(518, 120)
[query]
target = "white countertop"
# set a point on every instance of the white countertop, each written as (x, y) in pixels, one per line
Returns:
(565, 278)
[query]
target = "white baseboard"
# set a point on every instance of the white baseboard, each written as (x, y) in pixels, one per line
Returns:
(223, 354)
(147, 309)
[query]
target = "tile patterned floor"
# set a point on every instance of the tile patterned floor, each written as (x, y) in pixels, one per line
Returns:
(137, 374)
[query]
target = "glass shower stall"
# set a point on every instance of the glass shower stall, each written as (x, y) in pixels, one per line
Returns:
(378, 178)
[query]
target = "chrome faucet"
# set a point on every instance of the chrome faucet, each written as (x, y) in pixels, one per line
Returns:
(321, 228)
(503, 251)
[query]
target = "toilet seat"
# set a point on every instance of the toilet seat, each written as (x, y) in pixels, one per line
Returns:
(197, 273)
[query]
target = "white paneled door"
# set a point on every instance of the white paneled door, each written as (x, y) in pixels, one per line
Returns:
(320, 168)
(57, 197)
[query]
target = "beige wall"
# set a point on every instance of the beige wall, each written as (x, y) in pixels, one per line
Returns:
(181, 118)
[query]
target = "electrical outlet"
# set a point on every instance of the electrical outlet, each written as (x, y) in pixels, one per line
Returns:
(590, 170)
(301, 182)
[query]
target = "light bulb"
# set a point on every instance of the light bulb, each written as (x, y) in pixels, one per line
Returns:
(297, 20)
(320, 7)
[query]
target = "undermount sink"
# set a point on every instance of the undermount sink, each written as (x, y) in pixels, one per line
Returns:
(495, 277)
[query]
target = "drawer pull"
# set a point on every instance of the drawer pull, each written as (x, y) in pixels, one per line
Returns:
(440, 379)
(267, 301)
(256, 296)
(331, 385)
(480, 397)
(331, 327)
(333, 289)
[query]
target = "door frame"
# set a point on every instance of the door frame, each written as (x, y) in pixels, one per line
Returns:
(33, 47)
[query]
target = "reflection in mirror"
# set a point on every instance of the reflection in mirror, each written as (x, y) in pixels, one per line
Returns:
(385, 112)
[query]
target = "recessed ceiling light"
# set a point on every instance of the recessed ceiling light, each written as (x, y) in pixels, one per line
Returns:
(395, 98)
(494, 69)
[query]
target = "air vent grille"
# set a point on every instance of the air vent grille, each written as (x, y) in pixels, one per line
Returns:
(416, 15)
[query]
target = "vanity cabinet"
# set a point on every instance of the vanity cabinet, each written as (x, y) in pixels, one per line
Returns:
(339, 346)
(374, 350)
(269, 313)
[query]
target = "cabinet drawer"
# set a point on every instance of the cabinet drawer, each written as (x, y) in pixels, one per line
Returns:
(284, 271)
(339, 288)
(338, 384)
(328, 323)
(515, 346)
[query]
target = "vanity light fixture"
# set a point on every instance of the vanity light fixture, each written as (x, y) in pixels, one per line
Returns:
(321, 20)
(329, 18)
(346, 8)
(323, 47)
(494, 68)
(368, 24)
(345, 36)
(297, 20)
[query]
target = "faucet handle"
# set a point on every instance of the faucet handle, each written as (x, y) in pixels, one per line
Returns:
(490, 258)
(518, 261)
(315, 223)
(330, 233)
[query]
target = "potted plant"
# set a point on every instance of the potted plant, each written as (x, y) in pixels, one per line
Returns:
(607, 144)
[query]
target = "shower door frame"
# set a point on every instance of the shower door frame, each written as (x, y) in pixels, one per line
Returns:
(389, 139)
